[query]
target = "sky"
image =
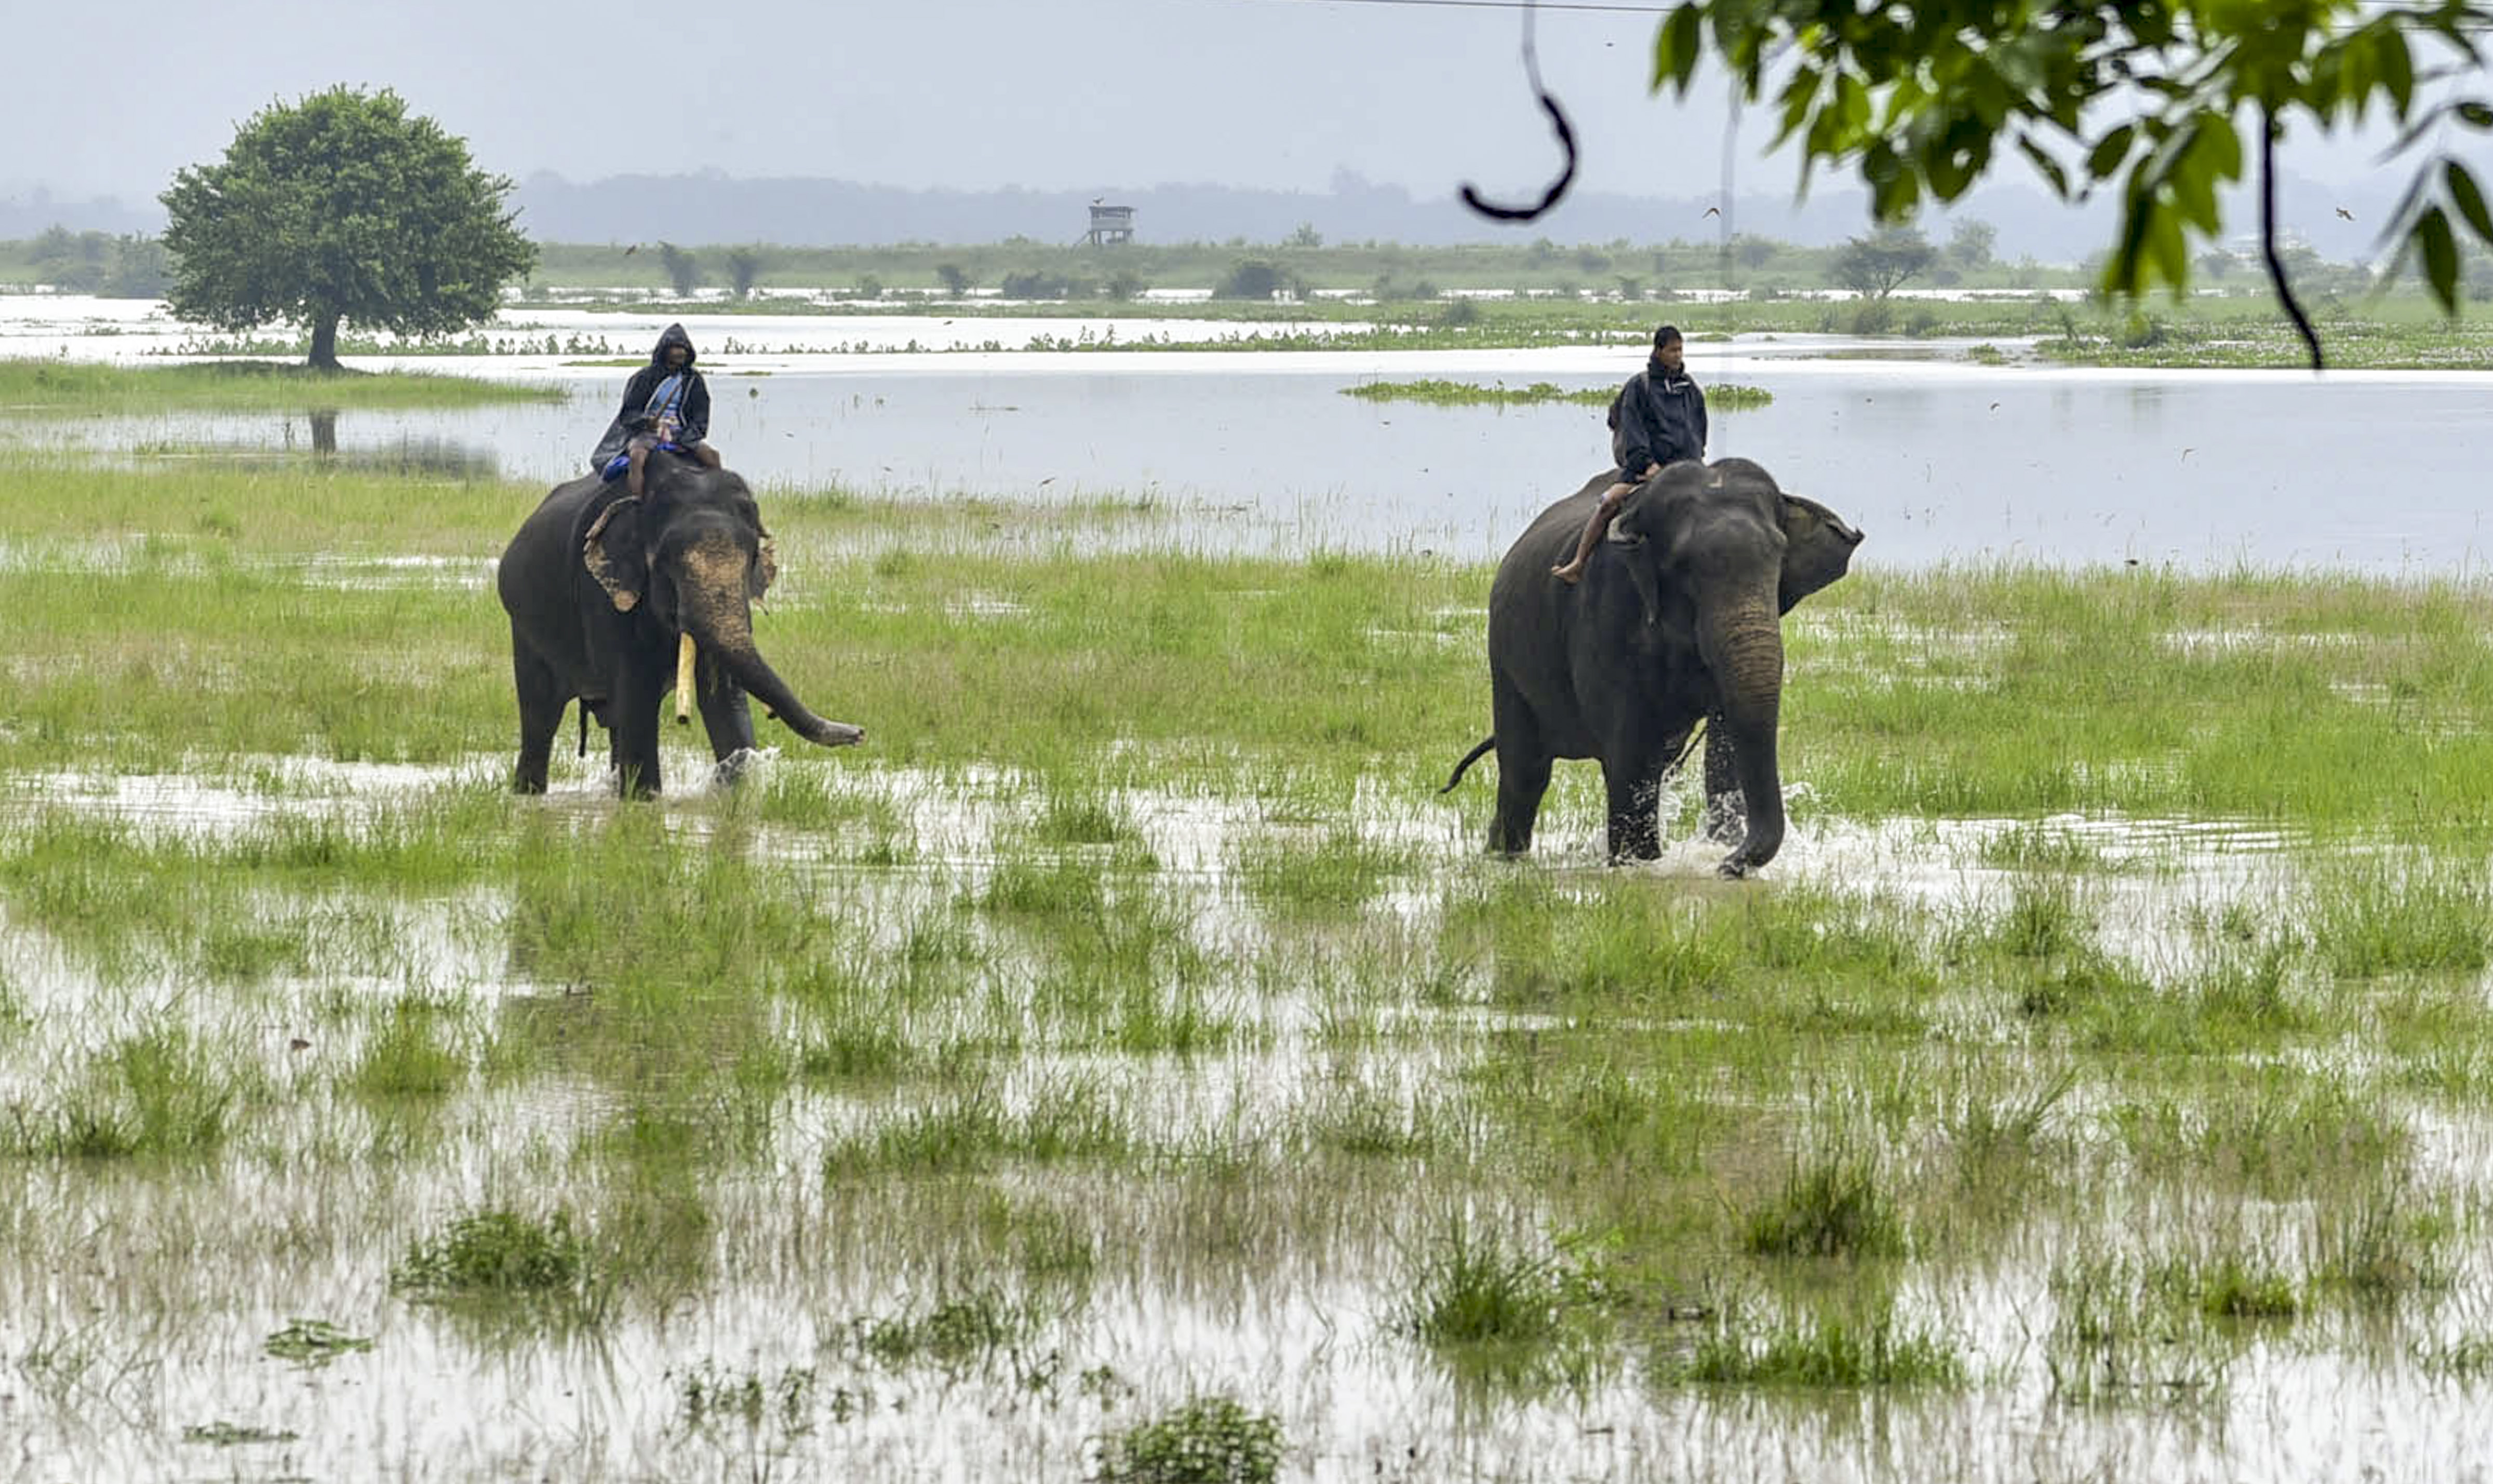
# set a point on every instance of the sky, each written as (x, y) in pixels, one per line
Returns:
(1081, 95)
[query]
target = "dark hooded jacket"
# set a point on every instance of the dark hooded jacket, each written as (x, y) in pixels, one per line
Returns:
(634, 416)
(1657, 418)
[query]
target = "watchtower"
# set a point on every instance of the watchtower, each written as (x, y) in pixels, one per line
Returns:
(1110, 225)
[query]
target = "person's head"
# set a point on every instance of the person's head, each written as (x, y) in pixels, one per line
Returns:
(675, 350)
(1667, 349)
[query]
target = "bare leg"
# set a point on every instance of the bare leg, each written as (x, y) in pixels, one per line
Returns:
(1602, 514)
(636, 480)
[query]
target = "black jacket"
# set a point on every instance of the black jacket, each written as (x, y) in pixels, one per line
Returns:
(1660, 419)
(634, 416)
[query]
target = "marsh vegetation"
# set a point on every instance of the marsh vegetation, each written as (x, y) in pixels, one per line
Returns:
(1127, 1064)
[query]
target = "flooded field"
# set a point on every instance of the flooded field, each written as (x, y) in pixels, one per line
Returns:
(1942, 458)
(878, 1121)
(1127, 1065)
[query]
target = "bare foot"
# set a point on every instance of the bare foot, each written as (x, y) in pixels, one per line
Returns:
(1569, 573)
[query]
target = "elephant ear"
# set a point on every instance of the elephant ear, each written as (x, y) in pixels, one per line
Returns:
(1641, 569)
(613, 553)
(1817, 548)
(765, 571)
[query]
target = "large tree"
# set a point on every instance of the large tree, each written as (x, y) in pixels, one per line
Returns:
(342, 207)
(1879, 264)
(2157, 96)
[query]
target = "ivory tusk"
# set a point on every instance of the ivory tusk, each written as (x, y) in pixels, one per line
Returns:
(685, 679)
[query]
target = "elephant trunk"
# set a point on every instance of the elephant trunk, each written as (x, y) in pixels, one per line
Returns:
(715, 614)
(1743, 644)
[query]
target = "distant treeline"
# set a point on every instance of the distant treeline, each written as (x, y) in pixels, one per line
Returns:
(127, 265)
(137, 266)
(1023, 268)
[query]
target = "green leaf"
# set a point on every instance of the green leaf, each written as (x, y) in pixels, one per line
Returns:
(2469, 200)
(1678, 48)
(2110, 151)
(2050, 167)
(2440, 258)
(2396, 65)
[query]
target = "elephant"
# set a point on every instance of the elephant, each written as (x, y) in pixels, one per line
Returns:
(604, 590)
(1677, 618)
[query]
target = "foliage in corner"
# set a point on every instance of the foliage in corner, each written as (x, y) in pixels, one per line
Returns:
(2158, 96)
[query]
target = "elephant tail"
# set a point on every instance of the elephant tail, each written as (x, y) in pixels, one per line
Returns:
(1470, 758)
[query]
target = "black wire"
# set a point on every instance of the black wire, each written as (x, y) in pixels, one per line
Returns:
(1557, 121)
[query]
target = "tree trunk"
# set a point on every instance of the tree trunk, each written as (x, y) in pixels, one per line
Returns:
(324, 342)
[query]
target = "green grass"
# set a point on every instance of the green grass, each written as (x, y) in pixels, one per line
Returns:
(1723, 397)
(1207, 1440)
(1475, 1286)
(1830, 1349)
(83, 388)
(1833, 1206)
(1136, 963)
(496, 1255)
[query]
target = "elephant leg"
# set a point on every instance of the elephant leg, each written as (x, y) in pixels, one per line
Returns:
(1727, 815)
(727, 713)
(541, 705)
(1523, 773)
(635, 731)
(1521, 780)
(1633, 784)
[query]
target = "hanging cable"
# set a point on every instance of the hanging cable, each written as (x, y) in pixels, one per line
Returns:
(1566, 141)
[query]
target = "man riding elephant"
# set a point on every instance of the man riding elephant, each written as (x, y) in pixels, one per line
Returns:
(1657, 419)
(666, 405)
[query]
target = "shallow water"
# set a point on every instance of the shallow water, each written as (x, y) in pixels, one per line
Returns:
(106, 1355)
(1936, 457)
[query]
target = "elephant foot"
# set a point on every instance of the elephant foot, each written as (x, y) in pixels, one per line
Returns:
(835, 734)
(733, 768)
(1734, 868)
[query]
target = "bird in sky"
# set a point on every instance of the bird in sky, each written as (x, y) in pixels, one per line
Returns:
(2343, 212)
(1713, 211)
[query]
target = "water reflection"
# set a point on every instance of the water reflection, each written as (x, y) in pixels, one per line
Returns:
(433, 455)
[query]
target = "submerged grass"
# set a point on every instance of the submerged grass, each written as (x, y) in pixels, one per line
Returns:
(1831, 1348)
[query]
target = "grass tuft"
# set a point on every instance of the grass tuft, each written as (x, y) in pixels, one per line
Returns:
(1832, 1206)
(1207, 1440)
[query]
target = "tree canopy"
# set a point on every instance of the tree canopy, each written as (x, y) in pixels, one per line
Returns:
(1879, 264)
(2155, 96)
(342, 207)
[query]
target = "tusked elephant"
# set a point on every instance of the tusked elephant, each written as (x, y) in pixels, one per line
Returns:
(602, 587)
(1678, 617)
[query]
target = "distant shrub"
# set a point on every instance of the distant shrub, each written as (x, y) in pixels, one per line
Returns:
(1249, 278)
(1036, 283)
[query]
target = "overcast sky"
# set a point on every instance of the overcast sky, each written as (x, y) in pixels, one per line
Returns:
(111, 97)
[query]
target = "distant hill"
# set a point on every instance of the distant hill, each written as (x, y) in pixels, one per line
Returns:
(25, 216)
(714, 208)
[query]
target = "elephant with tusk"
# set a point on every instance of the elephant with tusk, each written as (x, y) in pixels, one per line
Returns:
(1677, 618)
(616, 599)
